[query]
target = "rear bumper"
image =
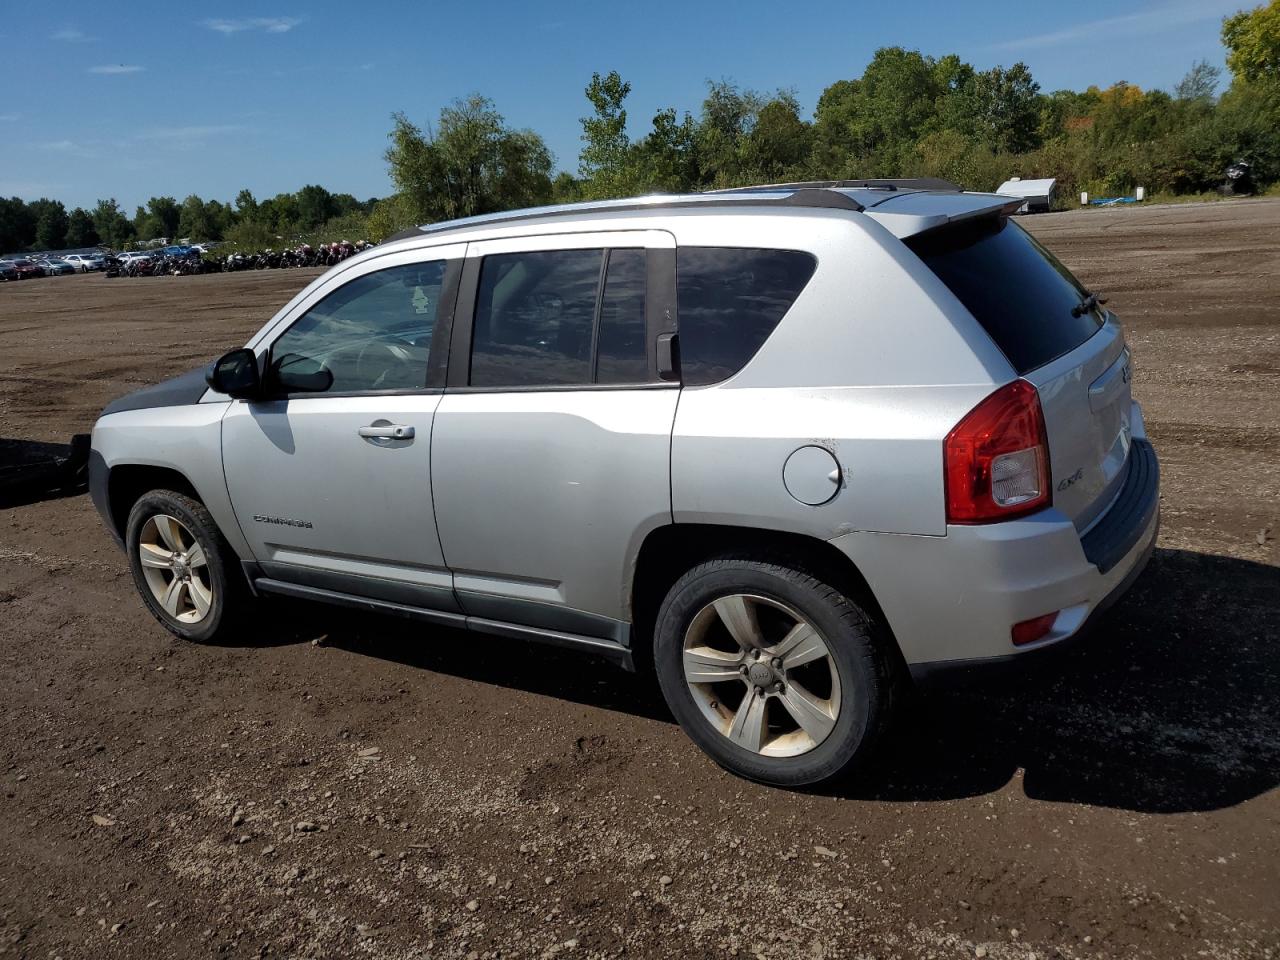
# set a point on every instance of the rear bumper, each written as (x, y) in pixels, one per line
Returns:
(948, 672)
(951, 601)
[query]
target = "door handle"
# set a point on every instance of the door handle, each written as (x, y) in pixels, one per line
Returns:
(386, 431)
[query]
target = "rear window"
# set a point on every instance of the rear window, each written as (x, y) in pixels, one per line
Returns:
(1020, 293)
(729, 299)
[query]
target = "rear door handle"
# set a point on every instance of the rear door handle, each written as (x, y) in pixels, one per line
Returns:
(387, 431)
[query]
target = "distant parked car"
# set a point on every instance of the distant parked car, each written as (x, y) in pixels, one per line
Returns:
(27, 268)
(8, 271)
(84, 262)
(56, 267)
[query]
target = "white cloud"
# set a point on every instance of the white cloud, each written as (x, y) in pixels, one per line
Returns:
(73, 148)
(31, 188)
(265, 24)
(189, 133)
(116, 69)
(72, 35)
(1154, 19)
(9, 117)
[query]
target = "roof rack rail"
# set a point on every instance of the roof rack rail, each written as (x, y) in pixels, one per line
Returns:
(800, 195)
(902, 183)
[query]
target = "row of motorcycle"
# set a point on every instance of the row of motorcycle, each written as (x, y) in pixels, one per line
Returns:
(192, 262)
(303, 255)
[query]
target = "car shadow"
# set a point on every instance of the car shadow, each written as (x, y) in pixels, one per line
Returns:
(1169, 706)
(32, 470)
(501, 661)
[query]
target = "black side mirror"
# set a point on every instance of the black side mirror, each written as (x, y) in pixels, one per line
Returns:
(236, 375)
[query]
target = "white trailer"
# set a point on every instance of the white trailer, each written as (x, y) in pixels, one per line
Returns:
(1037, 195)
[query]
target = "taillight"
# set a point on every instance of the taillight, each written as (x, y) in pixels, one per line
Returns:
(996, 460)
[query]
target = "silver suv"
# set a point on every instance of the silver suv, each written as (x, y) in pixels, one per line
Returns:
(789, 447)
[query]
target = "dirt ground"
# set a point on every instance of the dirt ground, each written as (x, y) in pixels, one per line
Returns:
(345, 787)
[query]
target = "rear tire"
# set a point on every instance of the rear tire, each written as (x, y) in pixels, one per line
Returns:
(184, 570)
(777, 675)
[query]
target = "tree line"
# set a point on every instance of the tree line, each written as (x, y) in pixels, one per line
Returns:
(47, 225)
(907, 114)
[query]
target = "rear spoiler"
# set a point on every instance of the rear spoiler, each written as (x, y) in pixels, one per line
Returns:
(911, 214)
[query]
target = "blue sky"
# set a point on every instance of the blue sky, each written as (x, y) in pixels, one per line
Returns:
(145, 99)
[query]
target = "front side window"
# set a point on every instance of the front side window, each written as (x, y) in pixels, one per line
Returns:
(729, 299)
(373, 333)
(543, 319)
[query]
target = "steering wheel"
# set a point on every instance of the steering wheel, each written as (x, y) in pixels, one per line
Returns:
(383, 363)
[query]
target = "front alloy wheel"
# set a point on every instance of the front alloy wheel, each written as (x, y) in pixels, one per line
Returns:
(184, 570)
(175, 568)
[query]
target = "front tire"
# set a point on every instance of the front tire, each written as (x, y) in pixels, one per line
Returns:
(183, 569)
(778, 676)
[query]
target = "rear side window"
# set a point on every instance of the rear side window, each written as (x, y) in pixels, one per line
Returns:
(543, 319)
(729, 300)
(1020, 293)
(534, 317)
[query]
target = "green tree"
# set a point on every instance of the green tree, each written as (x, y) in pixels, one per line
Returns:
(603, 163)
(667, 158)
(566, 188)
(80, 229)
(727, 118)
(1200, 83)
(315, 206)
(869, 126)
(1252, 39)
(472, 163)
(221, 217)
(251, 236)
(51, 224)
(779, 141)
(1002, 108)
(114, 228)
(158, 219)
(388, 217)
(344, 203)
(246, 206)
(17, 225)
(193, 223)
(280, 213)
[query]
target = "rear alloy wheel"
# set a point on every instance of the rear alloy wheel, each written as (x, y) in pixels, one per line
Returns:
(184, 571)
(777, 675)
(775, 664)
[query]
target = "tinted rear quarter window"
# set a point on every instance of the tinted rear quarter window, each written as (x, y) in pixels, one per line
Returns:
(1016, 289)
(729, 300)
